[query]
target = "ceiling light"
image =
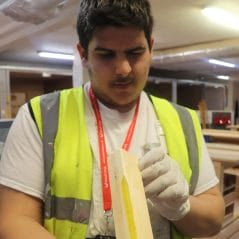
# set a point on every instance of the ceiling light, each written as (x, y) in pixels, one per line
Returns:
(222, 17)
(221, 63)
(53, 55)
(223, 77)
(46, 75)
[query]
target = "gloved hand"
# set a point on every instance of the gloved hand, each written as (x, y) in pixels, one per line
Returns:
(164, 184)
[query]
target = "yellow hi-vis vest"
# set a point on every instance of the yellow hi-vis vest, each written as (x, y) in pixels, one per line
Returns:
(68, 161)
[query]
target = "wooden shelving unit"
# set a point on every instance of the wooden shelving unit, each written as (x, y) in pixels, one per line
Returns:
(223, 146)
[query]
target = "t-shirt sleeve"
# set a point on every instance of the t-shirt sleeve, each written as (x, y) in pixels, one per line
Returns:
(21, 165)
(207, 176)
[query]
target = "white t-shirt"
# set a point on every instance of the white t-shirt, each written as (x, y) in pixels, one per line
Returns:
(21, 166)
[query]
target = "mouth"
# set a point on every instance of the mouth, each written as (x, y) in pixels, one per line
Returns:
(123, 83)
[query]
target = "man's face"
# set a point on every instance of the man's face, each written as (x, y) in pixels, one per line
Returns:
(118, 59)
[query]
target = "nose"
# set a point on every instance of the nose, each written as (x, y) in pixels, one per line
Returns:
(122, 66)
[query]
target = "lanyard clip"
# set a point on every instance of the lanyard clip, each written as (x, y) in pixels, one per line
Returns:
(107, 215)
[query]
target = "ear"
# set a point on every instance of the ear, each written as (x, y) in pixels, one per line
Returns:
(151, 44)
(83, 54)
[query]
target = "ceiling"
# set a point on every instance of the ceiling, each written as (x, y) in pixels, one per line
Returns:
(184, 40)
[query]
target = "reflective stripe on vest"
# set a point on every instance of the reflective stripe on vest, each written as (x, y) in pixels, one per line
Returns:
(63, 213)
(49, 110)
(66, 210)
(192, 145)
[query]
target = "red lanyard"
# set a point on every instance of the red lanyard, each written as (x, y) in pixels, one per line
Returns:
(102, 148)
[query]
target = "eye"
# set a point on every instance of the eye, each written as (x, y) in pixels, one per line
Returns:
(136, 52)
(105, 55)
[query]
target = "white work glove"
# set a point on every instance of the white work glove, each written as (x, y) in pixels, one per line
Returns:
(164, 184)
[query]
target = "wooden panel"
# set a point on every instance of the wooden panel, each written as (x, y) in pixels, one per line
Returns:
(130, 209)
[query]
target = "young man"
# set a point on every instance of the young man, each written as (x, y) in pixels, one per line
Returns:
(76, 129)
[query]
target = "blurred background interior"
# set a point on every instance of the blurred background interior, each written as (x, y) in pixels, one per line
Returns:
(196, 55)
(195, 64)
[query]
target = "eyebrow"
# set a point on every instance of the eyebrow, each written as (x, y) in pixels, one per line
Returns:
(102, 49)
(99, 49)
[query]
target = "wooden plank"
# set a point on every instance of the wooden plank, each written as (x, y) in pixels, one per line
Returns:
(233, 127)
(232, 171)
(233, 147)
(228, 219)
(222, 135)
(227, 156)
(130, 209)
(220, 173)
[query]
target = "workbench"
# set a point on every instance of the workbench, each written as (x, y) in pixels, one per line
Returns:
(233, 127)
(221, 135)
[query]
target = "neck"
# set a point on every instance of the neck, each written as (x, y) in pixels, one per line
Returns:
(121, 108)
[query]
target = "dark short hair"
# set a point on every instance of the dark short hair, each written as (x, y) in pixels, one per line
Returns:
(119, 13)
